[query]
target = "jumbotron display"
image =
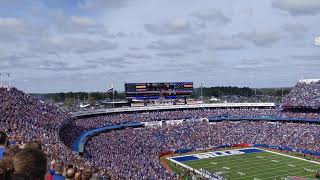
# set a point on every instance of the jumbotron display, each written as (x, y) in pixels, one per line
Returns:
(168, 90)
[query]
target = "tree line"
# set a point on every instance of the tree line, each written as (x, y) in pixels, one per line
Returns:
(206, 92)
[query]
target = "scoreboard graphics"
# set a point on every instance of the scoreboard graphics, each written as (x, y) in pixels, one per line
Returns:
(169, 90)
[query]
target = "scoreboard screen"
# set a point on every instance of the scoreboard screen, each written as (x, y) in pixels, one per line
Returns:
(169, 90)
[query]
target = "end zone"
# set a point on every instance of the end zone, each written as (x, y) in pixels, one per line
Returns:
(206, 155)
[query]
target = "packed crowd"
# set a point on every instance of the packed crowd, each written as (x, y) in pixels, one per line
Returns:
(88, 123)
(71, 130)
(251, 99)
(29, 162)
(134, 153)
(24, 118)
(304, 94)
(99, 121)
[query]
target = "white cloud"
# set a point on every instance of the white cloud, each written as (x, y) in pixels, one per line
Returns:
(220, 42)
(212, 16)
(170, 27)
(298, 7)
(102, 4)
(295, 28)
(67, 44)
(261, 38)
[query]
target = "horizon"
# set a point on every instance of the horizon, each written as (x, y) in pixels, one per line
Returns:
(123, 91)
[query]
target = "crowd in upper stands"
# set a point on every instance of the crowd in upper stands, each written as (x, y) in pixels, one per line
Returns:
(304, 94)
(88, 123)
(134, 153)
(250, 99)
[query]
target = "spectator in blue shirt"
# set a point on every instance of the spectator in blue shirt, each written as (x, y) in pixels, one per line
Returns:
(3, 143)
(58, 172)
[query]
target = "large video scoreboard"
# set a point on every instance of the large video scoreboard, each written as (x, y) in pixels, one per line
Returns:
(169, 90)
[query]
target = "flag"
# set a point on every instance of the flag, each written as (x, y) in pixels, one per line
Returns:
(110, 88)
(317, 41)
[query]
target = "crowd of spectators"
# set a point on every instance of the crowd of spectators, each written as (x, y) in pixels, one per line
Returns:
(134, 153)
(24, 119)
(88, 123)
(28, 161)
(304, 94)
(250, 99)
(100, 121)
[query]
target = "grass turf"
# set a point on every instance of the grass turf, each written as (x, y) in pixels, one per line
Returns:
(262, 165)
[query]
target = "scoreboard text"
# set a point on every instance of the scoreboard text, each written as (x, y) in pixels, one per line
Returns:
(169, 90)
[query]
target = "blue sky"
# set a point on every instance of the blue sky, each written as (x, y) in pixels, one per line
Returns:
(82, 45)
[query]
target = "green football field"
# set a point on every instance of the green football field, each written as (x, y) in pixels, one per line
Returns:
(260, 165)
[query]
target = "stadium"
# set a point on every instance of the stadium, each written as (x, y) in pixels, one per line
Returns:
(213, 141)
(159, 90)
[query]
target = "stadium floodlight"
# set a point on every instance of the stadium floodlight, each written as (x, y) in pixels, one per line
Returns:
(317, 41)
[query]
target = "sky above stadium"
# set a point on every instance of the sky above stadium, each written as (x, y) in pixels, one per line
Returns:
(82, 45)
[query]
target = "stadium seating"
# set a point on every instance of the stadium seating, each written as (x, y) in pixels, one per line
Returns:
(133, 153)
(306, 94)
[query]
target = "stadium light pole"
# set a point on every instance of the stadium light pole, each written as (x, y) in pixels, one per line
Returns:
(1, 80)
(8, 80)
(201, 92)
(112, 97)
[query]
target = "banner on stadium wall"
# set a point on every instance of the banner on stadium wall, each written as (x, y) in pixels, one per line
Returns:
(153, 123)
(182, 151)
(242, 145)
(174, 122)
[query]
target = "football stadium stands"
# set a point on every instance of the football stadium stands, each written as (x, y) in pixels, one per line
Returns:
(306, 94)
(111, 146)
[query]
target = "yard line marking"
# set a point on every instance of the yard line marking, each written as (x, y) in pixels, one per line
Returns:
(292, 156)
(241, 173)
(259, 168)
(285, 174)
(253, 164)
(257, 165)
(281, 170)
(238, 160)
(225, 168)
(309, 170)
(190, 168)
(282, 161)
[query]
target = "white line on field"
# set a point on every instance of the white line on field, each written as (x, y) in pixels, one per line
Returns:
(188, 167)
(291, 156)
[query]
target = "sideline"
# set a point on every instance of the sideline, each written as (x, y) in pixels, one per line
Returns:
(291, 156)
(190, 168)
